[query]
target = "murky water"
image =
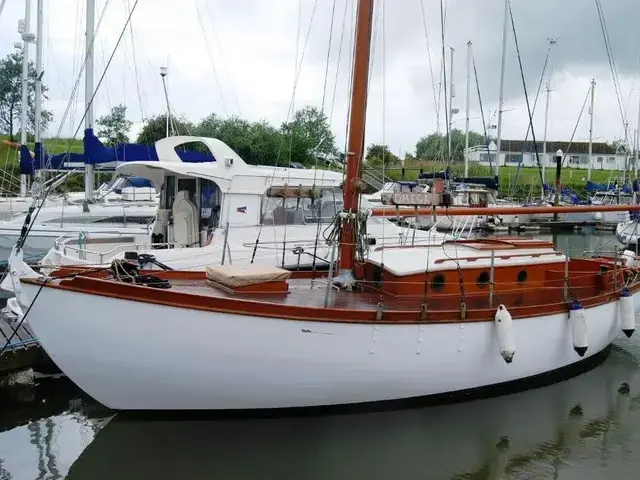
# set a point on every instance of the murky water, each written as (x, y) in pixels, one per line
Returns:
(584, 428)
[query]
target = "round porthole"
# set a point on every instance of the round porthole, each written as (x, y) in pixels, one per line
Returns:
(483, 280)
(522, 276)
(437, 284)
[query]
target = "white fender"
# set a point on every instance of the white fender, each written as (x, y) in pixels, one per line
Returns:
(504, 333)
(578, 321)
(628, 258)
(17, 269)
(12, 312)
(627, 312)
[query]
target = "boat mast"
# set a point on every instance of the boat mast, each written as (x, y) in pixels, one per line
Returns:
(468, 109)
(501, 97)
(25, 33)
(544, 142)
(355, 144)
(39, 72)
(593, 93)
(88, 94)
(635, 163)
(451, 111)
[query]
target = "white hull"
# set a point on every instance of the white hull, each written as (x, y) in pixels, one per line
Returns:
(52, 222)
(134, 355)
(532, 421)
(43, 238)
(628, 233)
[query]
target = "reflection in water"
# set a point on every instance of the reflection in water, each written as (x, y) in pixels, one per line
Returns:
(535, 434)
(44, 426)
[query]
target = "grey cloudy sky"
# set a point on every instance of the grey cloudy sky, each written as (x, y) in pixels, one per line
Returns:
(237, 57)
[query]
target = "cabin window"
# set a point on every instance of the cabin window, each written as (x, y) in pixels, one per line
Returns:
(321, 206)
(483, 280)
(522, 276)
(190, 185)
(437, 284)
(170, 191)
(209, 204)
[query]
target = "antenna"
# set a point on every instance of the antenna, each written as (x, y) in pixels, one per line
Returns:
(163, 74)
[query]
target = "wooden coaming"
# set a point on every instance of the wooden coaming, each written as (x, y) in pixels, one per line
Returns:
(542, 294)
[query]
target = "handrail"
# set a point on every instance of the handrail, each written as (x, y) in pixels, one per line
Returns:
(460, 211)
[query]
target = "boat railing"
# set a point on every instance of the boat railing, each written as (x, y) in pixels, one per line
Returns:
(81, 252)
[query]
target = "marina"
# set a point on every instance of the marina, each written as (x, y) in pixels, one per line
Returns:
(283, 298)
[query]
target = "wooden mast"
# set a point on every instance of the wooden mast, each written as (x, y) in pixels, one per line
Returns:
(355, 149)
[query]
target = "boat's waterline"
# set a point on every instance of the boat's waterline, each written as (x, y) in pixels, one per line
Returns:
(130, 359)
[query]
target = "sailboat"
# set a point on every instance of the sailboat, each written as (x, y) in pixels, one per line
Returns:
(392, 323)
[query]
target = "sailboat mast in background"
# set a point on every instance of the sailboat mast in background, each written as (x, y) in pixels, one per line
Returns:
(88, 96)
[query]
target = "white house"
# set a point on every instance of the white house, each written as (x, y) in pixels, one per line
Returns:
(576, 155)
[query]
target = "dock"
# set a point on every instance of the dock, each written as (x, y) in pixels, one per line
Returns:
(559, 225)
(19, 349)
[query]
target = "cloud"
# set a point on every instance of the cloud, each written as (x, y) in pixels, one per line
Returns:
(238, 57)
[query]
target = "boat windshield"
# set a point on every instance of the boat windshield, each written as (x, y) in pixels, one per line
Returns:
(302, 210)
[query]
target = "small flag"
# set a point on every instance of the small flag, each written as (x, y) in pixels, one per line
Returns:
(241, 209)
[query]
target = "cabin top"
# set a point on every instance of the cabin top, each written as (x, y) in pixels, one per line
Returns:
(229, 170)
(464, 254)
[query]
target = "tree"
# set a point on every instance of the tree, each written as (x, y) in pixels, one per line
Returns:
(257, 142)
(11, 96)
(114, 126)
(435, 145)
(309, 136)
(155, 128)
(379, 154)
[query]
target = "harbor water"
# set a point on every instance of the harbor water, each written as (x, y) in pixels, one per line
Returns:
(584, 428)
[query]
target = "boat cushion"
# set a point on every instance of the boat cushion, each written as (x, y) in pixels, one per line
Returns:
(235, 276)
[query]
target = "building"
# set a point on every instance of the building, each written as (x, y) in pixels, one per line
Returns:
(515, 152)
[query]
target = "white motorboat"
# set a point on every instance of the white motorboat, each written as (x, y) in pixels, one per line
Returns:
(230, 212)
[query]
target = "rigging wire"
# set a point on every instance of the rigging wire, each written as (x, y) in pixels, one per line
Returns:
(35, 208)
(575, 128)
(74, 91)
(447, 107)
(224, 61)
(433, 80)
(326, 70)
(526, 95)
(535, 104)
(135, 67)
(484, 123)
(213, 65)
(335, 86)
(613, 68)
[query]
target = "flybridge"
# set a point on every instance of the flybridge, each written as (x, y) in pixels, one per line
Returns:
(106, 158)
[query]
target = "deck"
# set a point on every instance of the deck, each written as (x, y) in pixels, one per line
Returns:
(434, 298)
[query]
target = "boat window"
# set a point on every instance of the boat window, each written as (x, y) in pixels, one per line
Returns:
(483, 280)
(277, 210)
(169, 191)
(437, 284)
(190, 185)
(209, 204)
